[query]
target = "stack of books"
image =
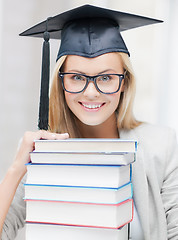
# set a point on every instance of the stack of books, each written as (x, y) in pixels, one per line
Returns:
(80, 189)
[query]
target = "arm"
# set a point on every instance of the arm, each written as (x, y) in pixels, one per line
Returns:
(169, 191)
(7, 191)
(17, 170)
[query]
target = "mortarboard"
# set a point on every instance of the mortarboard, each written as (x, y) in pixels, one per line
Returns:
(87, 31)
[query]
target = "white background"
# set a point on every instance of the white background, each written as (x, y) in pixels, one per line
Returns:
(153, 49)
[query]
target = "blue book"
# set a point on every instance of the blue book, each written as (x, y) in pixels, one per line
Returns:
(107, 176)
(78, 194)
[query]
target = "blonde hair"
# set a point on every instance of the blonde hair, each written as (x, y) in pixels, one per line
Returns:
(61, 119)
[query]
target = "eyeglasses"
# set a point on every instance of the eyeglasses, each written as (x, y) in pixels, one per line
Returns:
(104, 83)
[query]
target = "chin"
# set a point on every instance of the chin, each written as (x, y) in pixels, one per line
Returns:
(92, 122)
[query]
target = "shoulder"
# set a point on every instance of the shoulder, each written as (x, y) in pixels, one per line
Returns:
(149, 132)
(155, 136)
(159, 147)
(153, 132)
(152, 138)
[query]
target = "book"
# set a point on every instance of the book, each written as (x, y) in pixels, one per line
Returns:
(111, 216)
(78, 194)
(37, 231)
(110, 176)
(121, 158)
(86, 145)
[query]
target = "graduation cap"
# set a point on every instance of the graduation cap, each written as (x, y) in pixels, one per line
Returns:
(87, 31)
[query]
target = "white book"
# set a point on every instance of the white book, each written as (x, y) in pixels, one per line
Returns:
(78, 194)
(79, 175)
(80, 214)
(86, 145)
(37, 231)
(83, 158)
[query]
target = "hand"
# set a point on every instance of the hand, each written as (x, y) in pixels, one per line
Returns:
(27, 146)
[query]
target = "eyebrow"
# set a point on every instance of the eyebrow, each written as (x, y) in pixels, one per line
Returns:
(78, 71)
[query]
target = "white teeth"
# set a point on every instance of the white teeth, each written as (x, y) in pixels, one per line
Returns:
(92, 106)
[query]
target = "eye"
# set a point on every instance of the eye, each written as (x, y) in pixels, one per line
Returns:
(78, 77)
(105, 78)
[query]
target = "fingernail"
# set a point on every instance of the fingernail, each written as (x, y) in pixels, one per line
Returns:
(65, 134)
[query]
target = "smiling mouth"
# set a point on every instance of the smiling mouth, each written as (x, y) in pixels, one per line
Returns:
(92, 106)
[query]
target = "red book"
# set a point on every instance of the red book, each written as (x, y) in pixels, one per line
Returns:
(111, 216)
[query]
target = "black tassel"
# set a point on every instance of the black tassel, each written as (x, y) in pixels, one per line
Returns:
(44, 95)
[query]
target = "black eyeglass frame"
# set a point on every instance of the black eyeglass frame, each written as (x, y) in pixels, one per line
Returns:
(92, 79)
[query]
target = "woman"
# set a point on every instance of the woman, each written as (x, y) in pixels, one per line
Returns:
(92, 97)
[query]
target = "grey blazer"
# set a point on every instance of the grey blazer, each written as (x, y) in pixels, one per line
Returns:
(155, 185)
(155, 181)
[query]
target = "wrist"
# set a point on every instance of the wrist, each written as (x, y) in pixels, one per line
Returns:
(17, 170)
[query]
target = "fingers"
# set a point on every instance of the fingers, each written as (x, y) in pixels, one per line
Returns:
(60, 136)
(27, 145)
(42, 134)
(29, 137)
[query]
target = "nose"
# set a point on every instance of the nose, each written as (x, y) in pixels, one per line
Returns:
(91, 91)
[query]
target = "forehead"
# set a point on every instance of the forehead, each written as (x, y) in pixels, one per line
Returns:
(100, 63)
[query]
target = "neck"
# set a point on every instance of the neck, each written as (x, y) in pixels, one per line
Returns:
(108, 129)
